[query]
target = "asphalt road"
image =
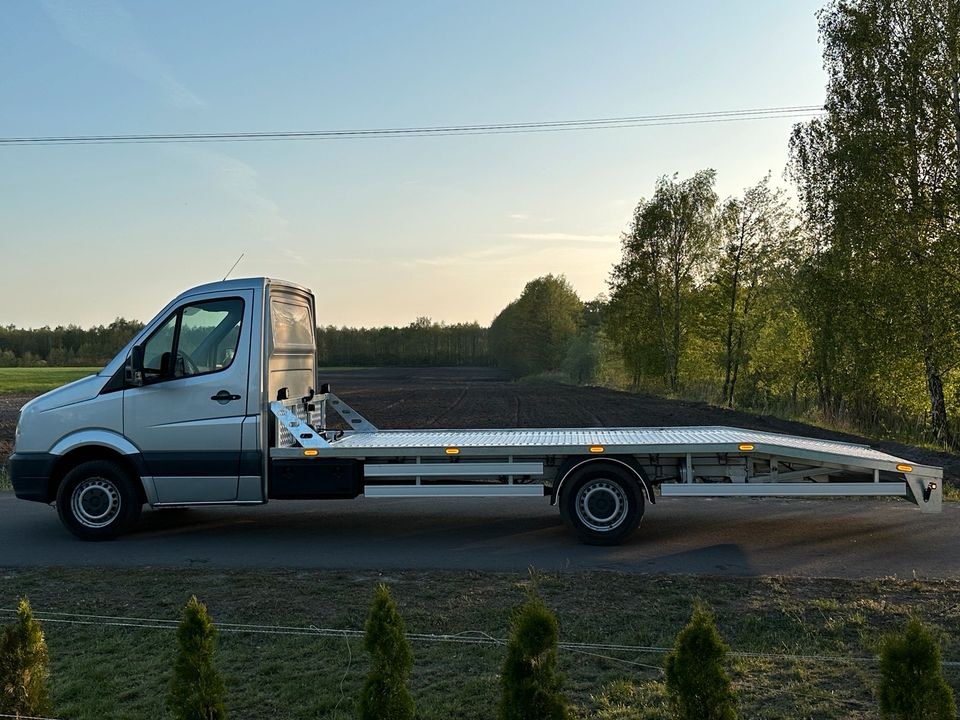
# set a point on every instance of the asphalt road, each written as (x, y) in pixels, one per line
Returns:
(726, 536)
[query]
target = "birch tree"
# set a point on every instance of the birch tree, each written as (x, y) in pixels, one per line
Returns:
(879, 178)
(666, 255)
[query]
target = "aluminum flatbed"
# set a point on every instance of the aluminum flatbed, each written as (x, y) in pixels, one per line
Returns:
(698, 461)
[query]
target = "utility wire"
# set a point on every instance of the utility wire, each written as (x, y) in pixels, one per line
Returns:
(468, 637)
(635, 121)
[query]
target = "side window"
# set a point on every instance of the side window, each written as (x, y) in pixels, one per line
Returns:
(158, 351)
(198, 339)
(208, 337)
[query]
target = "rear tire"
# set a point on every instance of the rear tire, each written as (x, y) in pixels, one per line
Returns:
(97, 500)
(602, 503)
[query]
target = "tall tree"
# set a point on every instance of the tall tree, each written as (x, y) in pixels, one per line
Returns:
(879, 179)
(757, 233)
(531, 335)
(666, 254)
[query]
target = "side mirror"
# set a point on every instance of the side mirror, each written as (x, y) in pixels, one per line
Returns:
(134, 370)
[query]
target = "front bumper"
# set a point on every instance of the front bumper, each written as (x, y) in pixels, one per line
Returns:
(30, 475)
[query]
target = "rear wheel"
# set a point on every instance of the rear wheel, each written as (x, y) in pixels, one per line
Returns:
(602, 503)
(97, 500)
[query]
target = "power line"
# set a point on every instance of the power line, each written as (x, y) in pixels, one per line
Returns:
(467, 637)
(634, 121)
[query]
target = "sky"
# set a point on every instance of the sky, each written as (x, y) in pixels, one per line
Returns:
(383, 230)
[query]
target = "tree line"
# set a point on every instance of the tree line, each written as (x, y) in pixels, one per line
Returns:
(421, 343)
(846, 303)
(69, 346)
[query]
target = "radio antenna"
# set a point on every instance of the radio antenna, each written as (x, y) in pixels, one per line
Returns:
(233, 266)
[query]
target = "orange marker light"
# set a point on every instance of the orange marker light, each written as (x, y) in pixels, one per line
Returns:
(310, 452)
(905, 468)
(452, 451)
(746, 447)
(596, 448)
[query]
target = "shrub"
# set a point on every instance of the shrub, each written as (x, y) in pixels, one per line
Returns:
(912, 686)
(385, 695)
(697, 684)
(530, 684)
(196, 690)
(23, 667)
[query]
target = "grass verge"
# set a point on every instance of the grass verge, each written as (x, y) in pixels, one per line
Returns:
(121, 671)
(40, 379)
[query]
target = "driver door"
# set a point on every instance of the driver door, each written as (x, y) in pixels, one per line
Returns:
(187, 416)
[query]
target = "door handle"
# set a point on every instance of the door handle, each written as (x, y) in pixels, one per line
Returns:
(223, 397)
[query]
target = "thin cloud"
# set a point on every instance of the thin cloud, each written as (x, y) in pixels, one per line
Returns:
(240, 182)
(564, 237)
(491, 254)
(518, 216)
(525, 255)
(107, 31)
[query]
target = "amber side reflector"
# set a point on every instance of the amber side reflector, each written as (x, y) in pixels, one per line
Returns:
(905, 468)
(452, 451)
(596, 448)
(746, 447)
(310, 452)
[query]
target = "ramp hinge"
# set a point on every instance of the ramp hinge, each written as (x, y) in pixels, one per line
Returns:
(299, 429)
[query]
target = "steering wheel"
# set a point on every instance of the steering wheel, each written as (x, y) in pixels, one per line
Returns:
(189, 366)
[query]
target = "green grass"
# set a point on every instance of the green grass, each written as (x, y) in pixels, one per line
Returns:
(122, 672)
(40, 379)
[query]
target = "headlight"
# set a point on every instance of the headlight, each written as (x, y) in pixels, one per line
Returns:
(16, 433)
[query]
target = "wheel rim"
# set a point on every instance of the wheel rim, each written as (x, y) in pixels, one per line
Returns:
(95, 502)
(602, 505)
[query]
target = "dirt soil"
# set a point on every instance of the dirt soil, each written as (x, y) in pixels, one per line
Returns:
(9, 407)
(484, 398)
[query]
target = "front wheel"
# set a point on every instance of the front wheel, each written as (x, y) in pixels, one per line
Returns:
(602, 503)
(97, 500)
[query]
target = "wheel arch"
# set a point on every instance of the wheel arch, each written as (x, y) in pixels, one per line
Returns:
(576, 462)
(85, 453)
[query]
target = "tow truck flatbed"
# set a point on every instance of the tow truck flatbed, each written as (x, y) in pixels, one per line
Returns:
(213, 402)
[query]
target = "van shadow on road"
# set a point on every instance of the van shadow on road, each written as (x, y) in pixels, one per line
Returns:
(711, 537)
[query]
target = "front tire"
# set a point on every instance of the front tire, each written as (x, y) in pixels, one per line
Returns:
(97, 500)
(602, 503)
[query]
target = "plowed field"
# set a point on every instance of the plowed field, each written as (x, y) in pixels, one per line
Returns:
(483, 398)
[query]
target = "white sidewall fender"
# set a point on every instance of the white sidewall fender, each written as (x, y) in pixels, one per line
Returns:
(645, 487)
(94, 438)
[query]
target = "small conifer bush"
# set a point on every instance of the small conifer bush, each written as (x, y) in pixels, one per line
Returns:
(912, 686)
(385, 695)
(196, 690)
(697, 683)
(23, 667)
(531, 686)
